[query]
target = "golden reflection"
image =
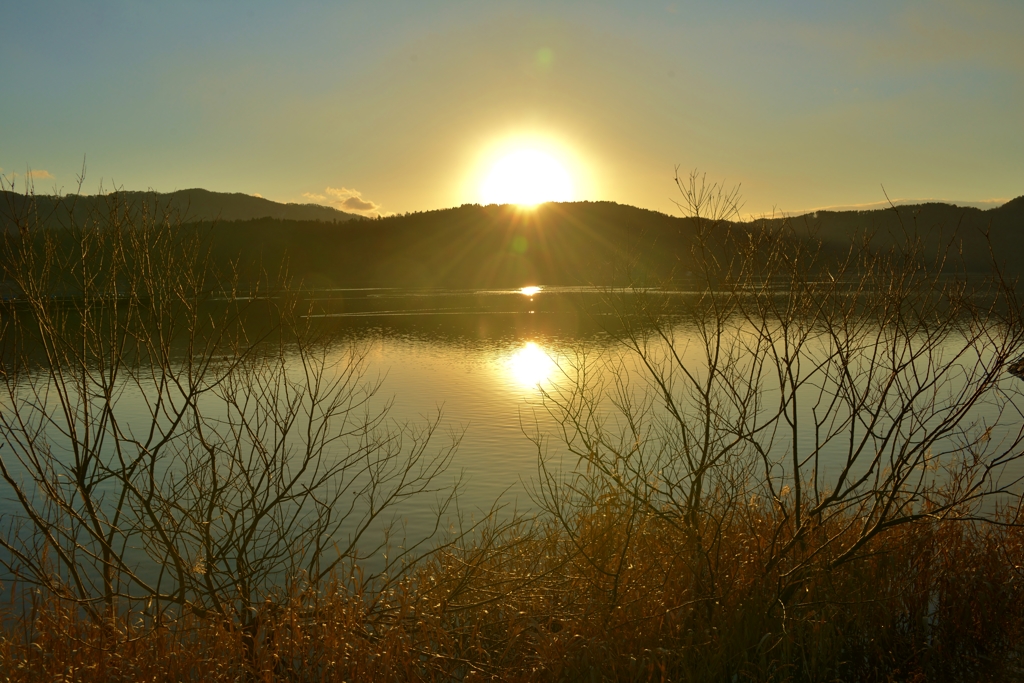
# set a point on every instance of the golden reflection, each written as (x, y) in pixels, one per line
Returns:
(529, 291)
(531, 366)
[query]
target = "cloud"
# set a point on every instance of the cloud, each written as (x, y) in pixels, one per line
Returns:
(345, 199)
(358, 204)
(34, 174)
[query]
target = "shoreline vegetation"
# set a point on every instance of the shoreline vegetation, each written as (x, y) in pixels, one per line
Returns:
(938, 600)
(801, 489)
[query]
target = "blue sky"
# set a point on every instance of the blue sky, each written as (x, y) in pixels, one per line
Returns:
(402, 106)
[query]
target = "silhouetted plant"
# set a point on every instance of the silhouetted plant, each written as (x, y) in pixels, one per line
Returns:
(173, 444)
(810, 404)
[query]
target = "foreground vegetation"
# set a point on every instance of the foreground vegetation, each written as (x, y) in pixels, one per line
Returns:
(809, 470)
(934, 601)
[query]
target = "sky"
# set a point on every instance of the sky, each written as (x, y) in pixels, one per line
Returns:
(392, 107)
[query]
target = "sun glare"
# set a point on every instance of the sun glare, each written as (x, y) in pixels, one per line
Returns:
(531, 366)
(529, 291)
(527, 177)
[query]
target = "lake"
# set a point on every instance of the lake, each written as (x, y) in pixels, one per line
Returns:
(483, 359)
(478, 357)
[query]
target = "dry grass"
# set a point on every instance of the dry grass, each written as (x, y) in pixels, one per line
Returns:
(929, 601)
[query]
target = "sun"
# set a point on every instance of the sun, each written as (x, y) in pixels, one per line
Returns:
(527, 177)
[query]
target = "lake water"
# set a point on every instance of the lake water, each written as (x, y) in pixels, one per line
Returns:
(481, 358)
(476, 358)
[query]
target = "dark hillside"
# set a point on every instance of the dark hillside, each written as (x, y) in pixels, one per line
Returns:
(190, 205)
(473, 246)
(965, 230)
(587, 243)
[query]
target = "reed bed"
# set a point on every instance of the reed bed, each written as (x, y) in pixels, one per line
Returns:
(931, 601)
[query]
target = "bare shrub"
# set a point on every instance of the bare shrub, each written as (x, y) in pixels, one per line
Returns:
(178, 441)
(812, 404)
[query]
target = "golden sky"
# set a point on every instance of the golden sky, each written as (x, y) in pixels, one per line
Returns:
(393, 107)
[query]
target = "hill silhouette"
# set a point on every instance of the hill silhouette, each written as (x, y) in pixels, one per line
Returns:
(582, 243)
(191, 205)
(975, 237)
(576, 243)
(469, 246)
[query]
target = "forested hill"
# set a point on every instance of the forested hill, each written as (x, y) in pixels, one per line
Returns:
(974, 237)
(469, 246)
(575, 243)
(580, 243)
(190, 205)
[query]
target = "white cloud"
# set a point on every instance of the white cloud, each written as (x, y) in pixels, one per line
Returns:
(346, 199)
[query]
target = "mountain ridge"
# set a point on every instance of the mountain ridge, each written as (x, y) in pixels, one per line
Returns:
(581, 243)
(193, 204)
(573, 243)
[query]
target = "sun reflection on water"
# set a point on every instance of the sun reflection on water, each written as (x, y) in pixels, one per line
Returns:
(531, 366)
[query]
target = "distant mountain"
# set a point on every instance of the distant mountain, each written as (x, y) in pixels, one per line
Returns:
(575, 243)
(585, 243)
(191, 205)
(975, 237)
(470, 246)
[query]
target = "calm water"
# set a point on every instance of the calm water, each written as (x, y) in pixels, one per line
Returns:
(477, 358)
(480, 358)
(483, 357)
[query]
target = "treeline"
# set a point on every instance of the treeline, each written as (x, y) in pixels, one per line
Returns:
(579, 243)
(469, 247)
(584, 243)
(189, 205)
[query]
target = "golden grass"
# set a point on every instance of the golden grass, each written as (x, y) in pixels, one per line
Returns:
(928, 601)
